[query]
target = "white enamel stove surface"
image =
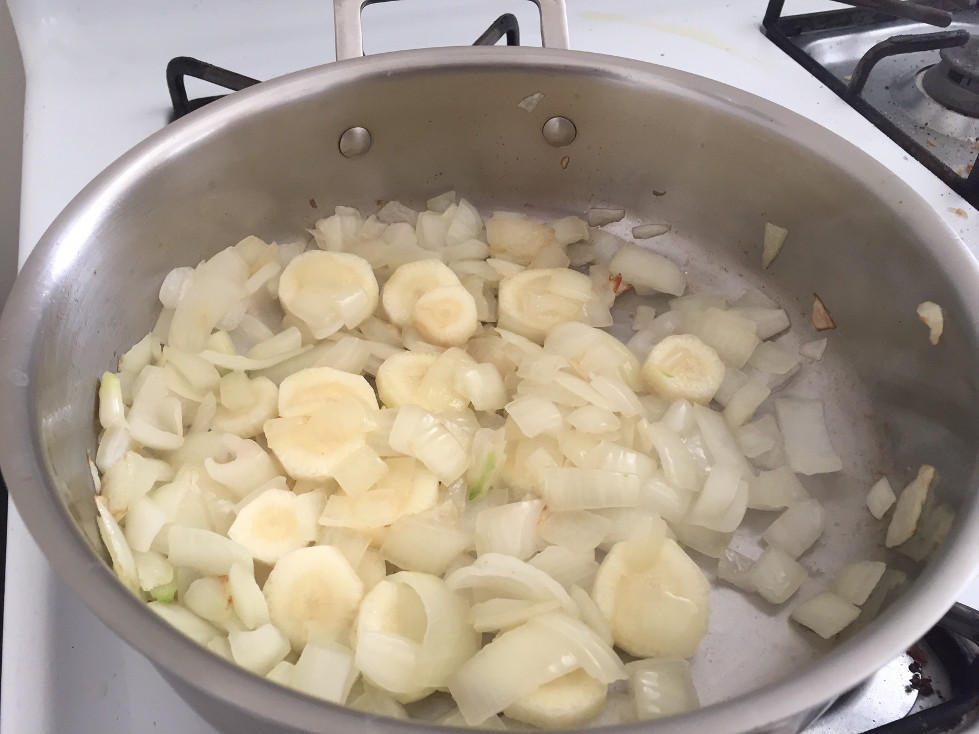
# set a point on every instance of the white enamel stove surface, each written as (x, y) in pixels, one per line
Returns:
(95, 87)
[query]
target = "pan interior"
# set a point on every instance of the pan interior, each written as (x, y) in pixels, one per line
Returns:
(676, 153)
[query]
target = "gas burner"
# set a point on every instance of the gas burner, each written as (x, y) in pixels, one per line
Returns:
(954, 81)
(919, 87)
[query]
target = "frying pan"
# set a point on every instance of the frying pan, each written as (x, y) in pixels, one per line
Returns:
(715, 162)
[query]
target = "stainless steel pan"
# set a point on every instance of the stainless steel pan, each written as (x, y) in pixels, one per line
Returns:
(714, 161)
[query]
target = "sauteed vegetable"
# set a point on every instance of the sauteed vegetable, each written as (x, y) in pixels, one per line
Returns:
(407, 470)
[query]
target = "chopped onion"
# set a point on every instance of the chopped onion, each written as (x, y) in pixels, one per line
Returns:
(600, 216)
(530, 102)
(909, 506)
(661, 687)
(648, 231)
(568, 567)
(258, 650)
(826, 614)
(208, 552)
(422, 543)
(733, 337)
(123, 562)
(797, 528)
(502, 614)
(573, 488)
(807, 441)
(496, 575)
(776, 575)
(775, 489)
(769, 321)
(324, 670)
(744, 402)
(880, 498)
(513, 665)
(185, 620)
(931, 315)
(509, 529)
(645, 270)
(775, 237)
(733, 567)
(573, 529)
(814, 350)
(856, 582)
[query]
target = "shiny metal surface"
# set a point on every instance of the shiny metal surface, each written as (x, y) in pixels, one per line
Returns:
(559, 132)
(355, 141)
(895, 85)
(727, 162)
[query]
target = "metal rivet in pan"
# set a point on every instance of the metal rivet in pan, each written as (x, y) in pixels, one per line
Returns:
(559, 131)
(355, 142)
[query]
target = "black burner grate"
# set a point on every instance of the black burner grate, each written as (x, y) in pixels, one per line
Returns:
(789, 32)
(182, 67)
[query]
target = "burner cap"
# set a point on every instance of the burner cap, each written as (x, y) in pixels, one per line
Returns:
(954, 81)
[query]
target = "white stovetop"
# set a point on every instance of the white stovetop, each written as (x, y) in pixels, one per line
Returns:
(95, 87)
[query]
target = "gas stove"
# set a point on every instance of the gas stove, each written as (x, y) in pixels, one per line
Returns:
(65, 671)
(919, 84)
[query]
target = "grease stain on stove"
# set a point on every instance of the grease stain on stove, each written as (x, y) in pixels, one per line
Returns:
(694, 34)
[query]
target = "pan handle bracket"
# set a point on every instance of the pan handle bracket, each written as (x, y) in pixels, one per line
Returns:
(350, 32)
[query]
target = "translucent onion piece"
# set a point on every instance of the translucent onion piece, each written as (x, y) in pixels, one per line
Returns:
(909, 506)
(497, 575)
(768, 321)
(661, 687)
(535, 415)
(826, 614)
(880, 498)
(573, 529)
(514, 664)
(807, 442)
(644, 269)
(733, 568)
(418, 433)
(206, 551)
(144, 521)
(775, 575)
(775, 237)
(510, 529)
(813, 349)
(572, 488)
(424, 543)
(797, 528)
(678, 464)
(856, 581)
(931, 315)
(566, 566)
(733, 337)
(775, 489)
(600, 216)
(325, 670)
(246, 364)
(503, 614)
(647, 231)
(185, 621)
(247, 598)
(123, 562)
(258, 650)
(722, 501)
(112, 410)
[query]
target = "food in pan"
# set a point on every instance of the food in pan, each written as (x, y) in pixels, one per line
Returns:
(407, 469)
